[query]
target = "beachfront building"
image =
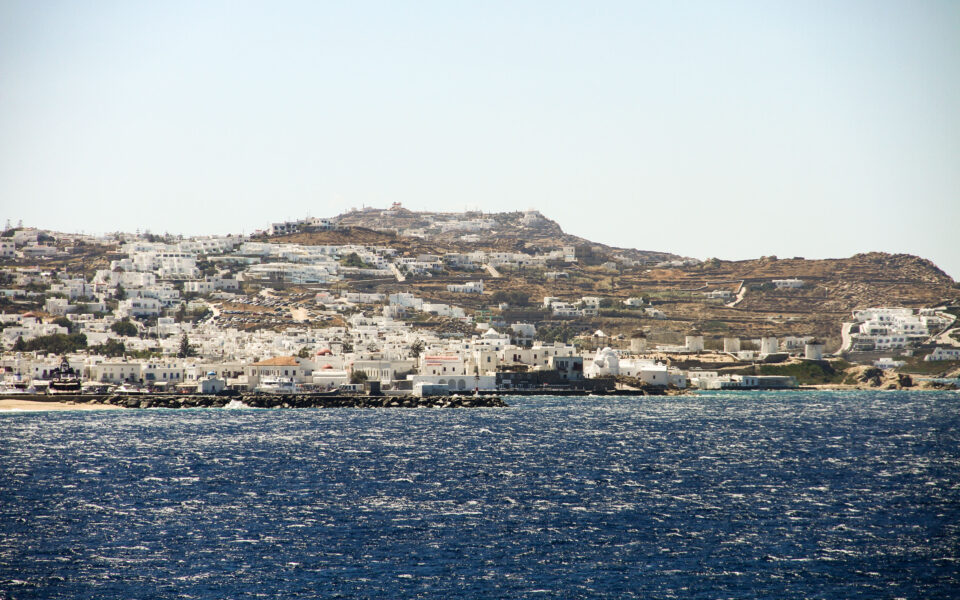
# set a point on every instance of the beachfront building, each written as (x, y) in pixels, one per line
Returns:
(605, 363)
(442, 365)
(116, 372)
(281, 367)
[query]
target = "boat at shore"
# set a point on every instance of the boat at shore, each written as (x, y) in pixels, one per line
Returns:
(64, 380)
(277, 385)
(130, 390)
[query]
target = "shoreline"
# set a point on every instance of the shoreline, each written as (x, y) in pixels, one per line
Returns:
(17, 405)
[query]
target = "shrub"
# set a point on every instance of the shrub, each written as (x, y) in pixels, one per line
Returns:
(125, 328)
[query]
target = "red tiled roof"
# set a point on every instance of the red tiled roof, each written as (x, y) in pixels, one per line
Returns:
(278, 361)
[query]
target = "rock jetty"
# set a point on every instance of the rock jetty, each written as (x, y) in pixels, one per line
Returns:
(278, 401)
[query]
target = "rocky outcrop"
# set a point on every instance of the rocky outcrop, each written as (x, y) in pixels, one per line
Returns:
(866, 378)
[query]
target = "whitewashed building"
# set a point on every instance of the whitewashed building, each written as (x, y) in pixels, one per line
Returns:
(470, 287)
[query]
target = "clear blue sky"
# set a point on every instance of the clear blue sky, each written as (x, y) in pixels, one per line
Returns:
(728, 129)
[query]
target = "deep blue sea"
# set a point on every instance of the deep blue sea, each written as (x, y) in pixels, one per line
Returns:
(722, 495)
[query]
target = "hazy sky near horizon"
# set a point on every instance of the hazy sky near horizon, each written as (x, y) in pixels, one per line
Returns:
(728, 129)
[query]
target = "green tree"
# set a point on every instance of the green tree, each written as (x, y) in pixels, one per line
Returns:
(358, 376)
(120, 294)
(20, 345)
(181, 313)
(303, 353)
(185, 350)
(513, 298)
(65, 322)
(111, 348)
(206, 267)
(558, 333)
(353, 260)
(416, 348)
(57, 343)
(125, 328)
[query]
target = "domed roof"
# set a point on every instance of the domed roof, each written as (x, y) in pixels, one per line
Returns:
(605, 359)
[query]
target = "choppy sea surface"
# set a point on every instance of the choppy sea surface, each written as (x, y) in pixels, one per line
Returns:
(723, 495)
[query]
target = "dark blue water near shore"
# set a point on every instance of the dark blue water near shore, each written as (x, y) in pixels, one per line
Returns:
(790, 495)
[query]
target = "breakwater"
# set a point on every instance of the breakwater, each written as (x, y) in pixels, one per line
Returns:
(267, 401)
(646, 391)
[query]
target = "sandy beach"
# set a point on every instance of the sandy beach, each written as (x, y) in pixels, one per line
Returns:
(13, 404)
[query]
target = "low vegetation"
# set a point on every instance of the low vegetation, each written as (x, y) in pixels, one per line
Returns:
(57, 343)
(558, 333)
(125, 328)
(809, 372)
(917, 366)
(353, 260)
(513, 298)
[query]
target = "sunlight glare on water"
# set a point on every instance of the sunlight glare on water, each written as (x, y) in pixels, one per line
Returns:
(725, 495)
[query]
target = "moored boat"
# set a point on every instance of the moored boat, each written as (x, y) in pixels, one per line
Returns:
(65, 380)
(278, 385)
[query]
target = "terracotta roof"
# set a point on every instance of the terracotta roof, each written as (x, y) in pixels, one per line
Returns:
(278, 361)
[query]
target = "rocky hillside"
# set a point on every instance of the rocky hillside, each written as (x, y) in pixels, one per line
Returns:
(676, 288)
(512, 231)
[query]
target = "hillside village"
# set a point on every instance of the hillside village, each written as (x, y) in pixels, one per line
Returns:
(455, 302)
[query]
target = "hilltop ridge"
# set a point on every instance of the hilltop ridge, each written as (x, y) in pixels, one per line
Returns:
(509, 231)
